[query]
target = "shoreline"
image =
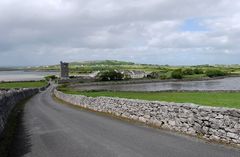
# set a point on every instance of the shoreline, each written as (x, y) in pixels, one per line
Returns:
(140, 81)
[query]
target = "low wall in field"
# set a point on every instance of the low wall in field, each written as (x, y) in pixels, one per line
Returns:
(211, 123)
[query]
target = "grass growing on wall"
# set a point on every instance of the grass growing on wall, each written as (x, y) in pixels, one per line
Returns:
(218, 99)
(27, 84)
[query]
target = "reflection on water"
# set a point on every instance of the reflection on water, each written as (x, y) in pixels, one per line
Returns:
(221, 84)
(22, 75)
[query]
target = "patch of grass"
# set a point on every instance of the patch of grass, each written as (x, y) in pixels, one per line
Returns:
(27, 84)
(218, 99)
(195, 76)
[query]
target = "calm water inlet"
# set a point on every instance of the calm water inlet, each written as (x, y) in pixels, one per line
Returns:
(232, 83)
(23, 76)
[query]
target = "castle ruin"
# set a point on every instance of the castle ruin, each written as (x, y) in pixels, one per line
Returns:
(64, 71)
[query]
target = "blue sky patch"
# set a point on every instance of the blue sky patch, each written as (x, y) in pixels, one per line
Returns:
(193, 25)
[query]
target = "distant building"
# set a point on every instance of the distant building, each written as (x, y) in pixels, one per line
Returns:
(94, 74)
(64, 71)
(134, 74)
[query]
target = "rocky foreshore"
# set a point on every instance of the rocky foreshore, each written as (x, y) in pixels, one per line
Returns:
(211, 123)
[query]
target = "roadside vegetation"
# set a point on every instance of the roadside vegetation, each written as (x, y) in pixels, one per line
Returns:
(50, 77)
(22, 84)
(218, 99)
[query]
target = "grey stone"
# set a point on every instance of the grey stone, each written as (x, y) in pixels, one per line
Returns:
(212, 122)
(142, 119)
(171, 122)
(191, 131)
(219, 116)
(9, 99)
(147, 116)
(213, 137)
(232, 135)
(198, 127)
(205, 129)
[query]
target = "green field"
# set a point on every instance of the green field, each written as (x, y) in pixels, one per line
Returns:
(219, 99)
(9, 85)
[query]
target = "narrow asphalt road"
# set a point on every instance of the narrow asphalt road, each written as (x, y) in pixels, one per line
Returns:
(51, 129)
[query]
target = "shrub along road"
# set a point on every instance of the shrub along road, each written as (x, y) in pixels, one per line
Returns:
(56, 130)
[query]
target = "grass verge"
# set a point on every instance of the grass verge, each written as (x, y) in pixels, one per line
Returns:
(216, 99)
(24, 84)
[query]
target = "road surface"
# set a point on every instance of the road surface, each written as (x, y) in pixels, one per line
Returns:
(52, 129)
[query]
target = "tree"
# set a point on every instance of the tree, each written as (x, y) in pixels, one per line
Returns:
(177, 74)
(198, 71)
(188, 71)
(50, 77)
(153, 75)
(110, 76)
(215, 73)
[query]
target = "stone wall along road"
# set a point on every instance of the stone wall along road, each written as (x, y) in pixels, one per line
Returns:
(9, 98)
(211, 123)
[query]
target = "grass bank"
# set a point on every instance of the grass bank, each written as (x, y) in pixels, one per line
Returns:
(24, 84)
(217, 99)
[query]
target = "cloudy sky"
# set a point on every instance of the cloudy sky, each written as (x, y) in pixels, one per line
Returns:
(175, 32)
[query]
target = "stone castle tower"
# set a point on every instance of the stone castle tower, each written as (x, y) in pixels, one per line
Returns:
(64, 72)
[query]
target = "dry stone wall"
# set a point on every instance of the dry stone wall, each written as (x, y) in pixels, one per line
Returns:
(212, 123)
(8, 99)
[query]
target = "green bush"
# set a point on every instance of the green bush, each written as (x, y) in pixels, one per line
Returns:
(153, 75)
(110, 76)
(198, 71)
(50, 77)
(188, 72)
(71, 77)
(177, 74)
(215, 73)
(126, 77)
(163, 77)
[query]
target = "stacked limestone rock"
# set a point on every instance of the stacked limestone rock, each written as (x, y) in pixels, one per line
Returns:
(8, 99)
(212, 123)
(2, 92)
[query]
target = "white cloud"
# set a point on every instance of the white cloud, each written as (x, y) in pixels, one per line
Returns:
(136, 30)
